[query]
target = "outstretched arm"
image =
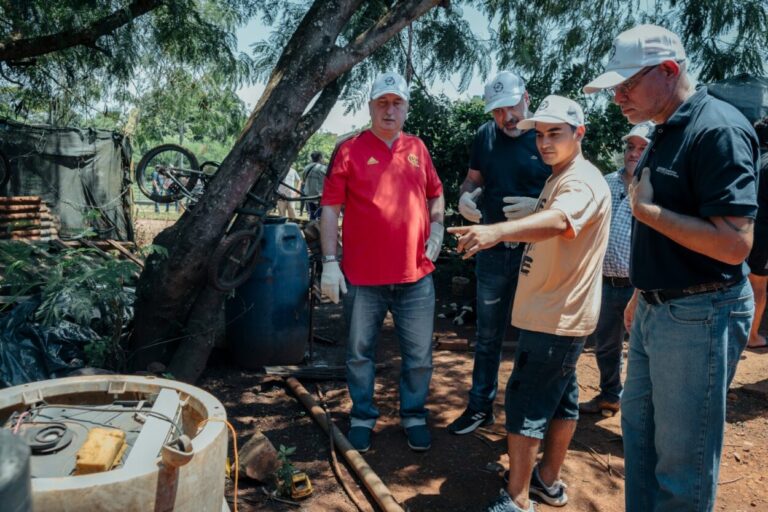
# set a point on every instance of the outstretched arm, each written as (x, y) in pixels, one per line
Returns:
(533, 228)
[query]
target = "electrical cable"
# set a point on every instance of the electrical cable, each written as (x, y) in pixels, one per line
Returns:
(152, 414)
(234, 447)
(334, 459)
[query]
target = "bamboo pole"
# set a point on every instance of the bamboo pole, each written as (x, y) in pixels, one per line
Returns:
(370, 479)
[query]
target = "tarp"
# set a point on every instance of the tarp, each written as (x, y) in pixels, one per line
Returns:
(84, 174)
(747, 93)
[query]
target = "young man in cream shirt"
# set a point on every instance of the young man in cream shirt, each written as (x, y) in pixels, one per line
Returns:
(557, 303)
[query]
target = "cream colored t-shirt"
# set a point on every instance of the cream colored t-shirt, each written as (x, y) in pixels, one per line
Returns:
(560, 282)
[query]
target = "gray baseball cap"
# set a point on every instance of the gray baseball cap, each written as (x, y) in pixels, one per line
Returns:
(390, 83)
(635, 49)
(642, 130)
(555, 109)
(504, 90)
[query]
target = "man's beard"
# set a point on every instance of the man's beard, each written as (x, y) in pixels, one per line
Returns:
(516, 132)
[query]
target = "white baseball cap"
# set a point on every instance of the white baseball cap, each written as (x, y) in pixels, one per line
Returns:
(635, 49)
(390, 83)
(555, 109)
(504, 90)
(642, 130)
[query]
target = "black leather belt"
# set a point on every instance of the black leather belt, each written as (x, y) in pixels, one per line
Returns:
(656, 297)
(617, 282)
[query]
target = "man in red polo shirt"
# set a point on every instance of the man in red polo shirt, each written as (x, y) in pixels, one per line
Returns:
(392, 232)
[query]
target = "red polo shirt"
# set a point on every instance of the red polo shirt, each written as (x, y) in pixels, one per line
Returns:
(386, 221)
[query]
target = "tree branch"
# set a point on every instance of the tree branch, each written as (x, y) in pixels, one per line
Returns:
(311, 121)
(403, 13)
(11, 50)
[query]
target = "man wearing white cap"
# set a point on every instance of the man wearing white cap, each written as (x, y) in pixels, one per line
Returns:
(557, 303)
(504, 167)
(694, 202)
(393, 231)
(608, 337)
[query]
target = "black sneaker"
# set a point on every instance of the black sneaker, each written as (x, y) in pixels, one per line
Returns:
(551, 495)
(469, 421)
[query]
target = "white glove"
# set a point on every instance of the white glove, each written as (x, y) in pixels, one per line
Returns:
(435, 241)
(519, 207)
(468, 205)
(332, 281)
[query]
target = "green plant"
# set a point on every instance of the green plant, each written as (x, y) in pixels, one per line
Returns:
(77, 285)
(285, 473)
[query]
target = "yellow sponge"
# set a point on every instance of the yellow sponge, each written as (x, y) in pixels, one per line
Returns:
(101, 451)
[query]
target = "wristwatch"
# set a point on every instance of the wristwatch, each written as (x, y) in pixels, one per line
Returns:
(329, 258)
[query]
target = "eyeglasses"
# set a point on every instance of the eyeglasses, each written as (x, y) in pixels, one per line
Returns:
(626, 86)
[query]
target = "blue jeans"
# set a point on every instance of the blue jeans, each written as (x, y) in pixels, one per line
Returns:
(682, 357)
(413, 311)
(608, 339)
(497, 271)
(313, 210)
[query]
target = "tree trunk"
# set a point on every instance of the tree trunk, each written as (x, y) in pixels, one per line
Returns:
(173, 300)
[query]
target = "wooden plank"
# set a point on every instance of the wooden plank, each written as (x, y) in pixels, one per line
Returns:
(17, 235)
(96, 248)
(125, 252)
(17, 208)
(7, 217)
(21, 200)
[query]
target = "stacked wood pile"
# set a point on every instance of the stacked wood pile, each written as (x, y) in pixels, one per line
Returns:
(26, 218)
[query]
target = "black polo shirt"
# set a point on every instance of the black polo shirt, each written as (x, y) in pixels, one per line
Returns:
(511, 166)
(703, 163)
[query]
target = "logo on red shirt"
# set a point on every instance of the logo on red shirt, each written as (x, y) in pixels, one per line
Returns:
(413, 159)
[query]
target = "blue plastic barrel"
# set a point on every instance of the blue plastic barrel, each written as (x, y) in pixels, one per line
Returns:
(268, 316)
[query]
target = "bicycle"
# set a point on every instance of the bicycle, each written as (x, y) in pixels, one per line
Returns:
(236, 256)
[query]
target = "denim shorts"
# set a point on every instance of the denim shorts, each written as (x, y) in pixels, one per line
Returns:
(543, 383)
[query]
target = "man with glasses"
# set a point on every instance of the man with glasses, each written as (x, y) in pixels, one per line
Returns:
(608, 338)
(694, 202)
(505, 167)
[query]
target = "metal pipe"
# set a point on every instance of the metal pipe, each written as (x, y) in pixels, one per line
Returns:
(370, 479)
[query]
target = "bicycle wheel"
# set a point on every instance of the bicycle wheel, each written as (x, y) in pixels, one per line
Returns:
(167, 173)
(5, 171)
(209, 168)
(234, 259)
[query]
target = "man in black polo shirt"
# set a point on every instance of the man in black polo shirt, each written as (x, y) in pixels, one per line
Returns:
(694, 201)
(506, 169)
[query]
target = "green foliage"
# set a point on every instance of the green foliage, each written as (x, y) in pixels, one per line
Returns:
(602, 143)
(447, 128)
(441, 44)
(79, 286)
(150, 249)
(286, 470)
(182, 107)
(62, 87)
(319, 141)
(721, 38)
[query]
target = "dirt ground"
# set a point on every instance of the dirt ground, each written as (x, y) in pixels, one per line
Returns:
(461, 473)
